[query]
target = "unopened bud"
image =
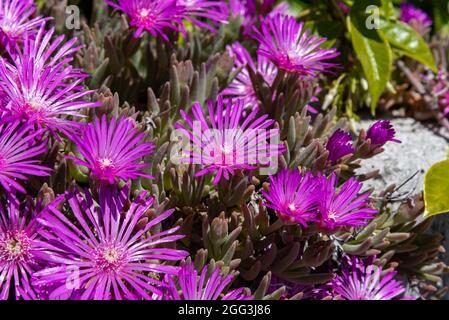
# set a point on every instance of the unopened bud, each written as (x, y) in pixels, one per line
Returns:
(46, 195)
(108, 101)
(219, 229)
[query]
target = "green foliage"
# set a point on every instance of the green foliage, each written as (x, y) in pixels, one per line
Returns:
(371, 39)
(436, 189)
(373, 52)
(332, 30)
(405, 40)
(441, 14)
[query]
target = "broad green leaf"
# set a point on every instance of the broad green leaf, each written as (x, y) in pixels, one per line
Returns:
(373, 51)
(409, 42)
(436, 189)
(296, 7)
(387, 9)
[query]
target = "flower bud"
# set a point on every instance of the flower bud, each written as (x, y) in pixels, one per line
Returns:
(219, 229)
(46, 195)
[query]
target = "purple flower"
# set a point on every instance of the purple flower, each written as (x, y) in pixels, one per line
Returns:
(39, 87)
(293, 196)
(309, 292)
(229, 142)
(283, 41)
(343, 206)
(440, 89)
(358, 280)
(15, 22)
(339, 145)
(153, 16)
(444, 102)
(344, 7)
(238, 7)
(381, 132)
(111, 150)
(415, 17)
(250, 7)
(249, 11)
(215, 11)
(21, 248)
(19, 144)
(157, 16)
(115, 252)
(191, 286)
(242, 86)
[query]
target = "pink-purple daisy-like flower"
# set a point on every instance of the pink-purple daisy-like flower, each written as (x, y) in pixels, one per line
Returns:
(344, 7)
(415, 17)
(215, 11)
(158, 16)
(21, 248)
(339, 145)
(440, 88)
(343, 206)
(153, 16)
(242, 87)
(19, 145)
(308, 292)
(293, 196)
(111, 149)
(249, 11)
(359, 280)
(443, 101)
(114, 250)
(229, 142)
(189, 285)
(237, 7)
(15, 21)
(381, 132)
(283, 40)
(250, 8)
(39, 87)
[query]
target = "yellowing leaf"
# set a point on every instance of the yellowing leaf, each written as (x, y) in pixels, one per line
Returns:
(436, 189)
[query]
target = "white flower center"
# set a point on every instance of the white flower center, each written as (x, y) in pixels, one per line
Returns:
(109, 258)
(106, 163)
(111, 255)
(14, 246)
(6, 29)
(227, 149)
(35, 104)
(143, 13)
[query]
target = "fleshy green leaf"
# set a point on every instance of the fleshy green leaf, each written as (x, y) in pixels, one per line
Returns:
(436, 189)
(409, 42)
(373, 51)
